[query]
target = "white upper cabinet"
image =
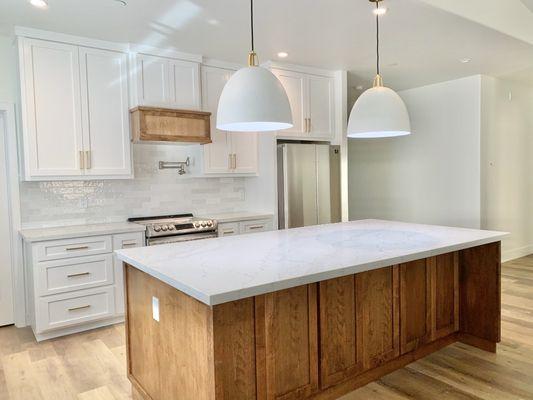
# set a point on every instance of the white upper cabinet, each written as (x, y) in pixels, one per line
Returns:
(229, 152)
(321, 112)
(296, 88)
(105, 123)
(312, 103)
(51, 109)
(74, 111)
(167, 82)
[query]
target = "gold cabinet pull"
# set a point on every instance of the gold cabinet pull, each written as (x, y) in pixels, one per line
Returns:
(234, 161)
(79, 308)
(88, 159)
(309, 125)
(127, 244)
(256, 227)
(230, 161)
(81, 159)
(77, 248)
(78, 274)
(228, 232)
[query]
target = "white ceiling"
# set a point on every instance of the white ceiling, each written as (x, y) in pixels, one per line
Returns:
(421, 43)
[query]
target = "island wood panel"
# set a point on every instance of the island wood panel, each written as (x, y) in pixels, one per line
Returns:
(480, 295)
(340, 339)
(378, 315)
(444, 294)
(287, 343)
(234, 350)
(415, 304)
(170, 359)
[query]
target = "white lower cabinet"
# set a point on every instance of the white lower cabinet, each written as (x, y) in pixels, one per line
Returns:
(241, 227)
(76, 284)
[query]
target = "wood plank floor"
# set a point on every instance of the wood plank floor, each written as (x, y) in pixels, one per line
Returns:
(92, 365)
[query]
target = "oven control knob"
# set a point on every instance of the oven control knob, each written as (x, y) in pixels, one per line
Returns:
(164, 227)
(157, 228)
(209, 223)
(171, 227)
(196, 224)
(203, 224)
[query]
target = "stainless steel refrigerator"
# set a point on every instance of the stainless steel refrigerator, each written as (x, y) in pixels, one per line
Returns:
(308, 184)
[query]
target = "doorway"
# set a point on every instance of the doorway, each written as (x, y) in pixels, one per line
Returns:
(6, 259)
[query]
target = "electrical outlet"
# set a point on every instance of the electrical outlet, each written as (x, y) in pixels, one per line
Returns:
(155, 308)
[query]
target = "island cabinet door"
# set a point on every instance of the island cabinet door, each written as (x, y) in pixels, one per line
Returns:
(415, 304)
(377, 311)
(444, 294)
(340, 341)
(286, 343)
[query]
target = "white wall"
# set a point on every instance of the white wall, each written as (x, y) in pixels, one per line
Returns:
(507, 163)
(431, 176)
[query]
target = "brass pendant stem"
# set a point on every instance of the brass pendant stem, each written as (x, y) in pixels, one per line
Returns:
(378, 81)
(252, 59)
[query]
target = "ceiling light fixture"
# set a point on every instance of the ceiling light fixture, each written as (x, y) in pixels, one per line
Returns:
(465, 60)
(253, 100)
(39, 3)
(379, 111)
(379, 10)
(283, 54)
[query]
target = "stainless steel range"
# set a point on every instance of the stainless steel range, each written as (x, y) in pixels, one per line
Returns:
(176, 228)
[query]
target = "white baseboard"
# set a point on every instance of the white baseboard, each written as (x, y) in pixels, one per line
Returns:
(512, 254)
(78, 328)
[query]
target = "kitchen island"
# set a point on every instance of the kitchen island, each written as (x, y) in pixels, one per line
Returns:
(311, 312)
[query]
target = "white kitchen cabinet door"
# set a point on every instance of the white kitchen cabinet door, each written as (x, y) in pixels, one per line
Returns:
(217, 155)
(106, 134)
(295, 85)
(185, 84)
(153, 81)
(51, 103)
(321, 106)
(244, 148)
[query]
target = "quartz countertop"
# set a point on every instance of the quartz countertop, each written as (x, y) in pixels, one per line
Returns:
(238, 216)
(69, 231)
(224, 269)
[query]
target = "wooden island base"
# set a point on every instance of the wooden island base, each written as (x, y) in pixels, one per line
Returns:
(316, 341)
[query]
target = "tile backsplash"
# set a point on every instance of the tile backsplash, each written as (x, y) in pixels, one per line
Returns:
(152, 192)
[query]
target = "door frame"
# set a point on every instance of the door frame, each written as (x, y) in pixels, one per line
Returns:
(7, 109)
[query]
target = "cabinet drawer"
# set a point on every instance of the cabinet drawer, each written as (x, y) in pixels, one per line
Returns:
(74, 274)
(128, 240)
(260, 225)
(63, 310)
(66, 248)
(228, 229)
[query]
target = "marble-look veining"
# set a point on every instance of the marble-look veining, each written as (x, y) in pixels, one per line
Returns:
(68, 232)
(229, 268)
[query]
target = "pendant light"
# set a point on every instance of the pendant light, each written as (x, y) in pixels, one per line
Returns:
(253, 99)
(379, 112)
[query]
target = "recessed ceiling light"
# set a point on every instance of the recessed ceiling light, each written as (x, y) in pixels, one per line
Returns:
(39, 3)
(380, 10)
(213, 21)
(465, 60)
(283, 54)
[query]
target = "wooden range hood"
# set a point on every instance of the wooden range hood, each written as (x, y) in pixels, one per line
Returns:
(153, 124)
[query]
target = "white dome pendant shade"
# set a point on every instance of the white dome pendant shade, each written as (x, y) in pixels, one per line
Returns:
(379, 112)
(253, 100)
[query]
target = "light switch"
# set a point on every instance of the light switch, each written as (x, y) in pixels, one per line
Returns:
(155, 308)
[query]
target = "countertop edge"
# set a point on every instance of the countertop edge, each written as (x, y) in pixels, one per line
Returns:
(80, 233)
(220, 298)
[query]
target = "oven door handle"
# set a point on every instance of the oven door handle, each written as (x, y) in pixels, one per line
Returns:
(180, 238)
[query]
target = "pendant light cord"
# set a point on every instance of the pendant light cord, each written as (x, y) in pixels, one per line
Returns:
(252, 23)
(377, 38)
